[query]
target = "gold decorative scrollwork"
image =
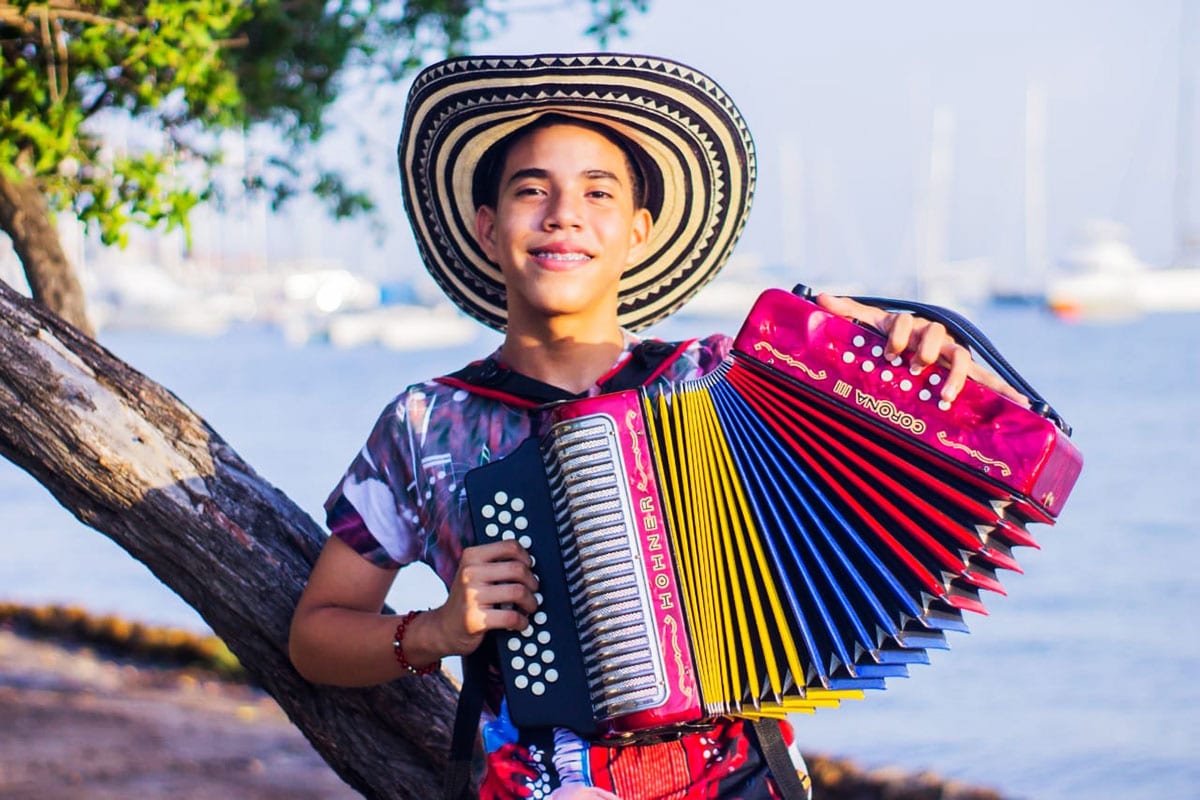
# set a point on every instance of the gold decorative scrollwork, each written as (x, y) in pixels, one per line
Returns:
(1005, 470)
(818, 375)
(631, 417)
(680, 669)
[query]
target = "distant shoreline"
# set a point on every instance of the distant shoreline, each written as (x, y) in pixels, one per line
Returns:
(98, 706)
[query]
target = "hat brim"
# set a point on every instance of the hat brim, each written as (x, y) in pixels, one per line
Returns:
(684, 124)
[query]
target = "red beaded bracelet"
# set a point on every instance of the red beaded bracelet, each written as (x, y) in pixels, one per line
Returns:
(398, 649)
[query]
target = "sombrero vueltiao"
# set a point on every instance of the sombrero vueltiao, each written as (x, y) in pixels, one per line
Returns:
(697, 152)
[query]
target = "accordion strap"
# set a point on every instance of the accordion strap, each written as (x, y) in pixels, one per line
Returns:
(457, 782)
(775, 751)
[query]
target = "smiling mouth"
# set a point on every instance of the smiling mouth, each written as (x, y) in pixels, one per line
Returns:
(549, 255)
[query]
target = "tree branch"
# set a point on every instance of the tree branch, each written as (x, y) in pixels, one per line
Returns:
(129, 459)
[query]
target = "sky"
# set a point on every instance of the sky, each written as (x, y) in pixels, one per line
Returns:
(841, 99)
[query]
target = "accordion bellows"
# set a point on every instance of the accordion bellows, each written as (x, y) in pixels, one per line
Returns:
(794, 528)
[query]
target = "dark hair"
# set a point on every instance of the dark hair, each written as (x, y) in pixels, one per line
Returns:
(485, 188)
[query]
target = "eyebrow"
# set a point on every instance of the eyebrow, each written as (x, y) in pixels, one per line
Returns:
(539, 173)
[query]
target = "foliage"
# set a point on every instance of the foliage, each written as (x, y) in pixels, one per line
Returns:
(186, 71)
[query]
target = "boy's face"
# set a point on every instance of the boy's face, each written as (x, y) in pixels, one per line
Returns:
(564, 227)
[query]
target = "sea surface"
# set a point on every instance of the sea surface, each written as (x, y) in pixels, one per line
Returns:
(1083, 682)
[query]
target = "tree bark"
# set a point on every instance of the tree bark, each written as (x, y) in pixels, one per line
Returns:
(25, 217)
(129, 459)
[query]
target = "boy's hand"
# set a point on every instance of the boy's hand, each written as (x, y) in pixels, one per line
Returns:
(927, 342)
(492, 590)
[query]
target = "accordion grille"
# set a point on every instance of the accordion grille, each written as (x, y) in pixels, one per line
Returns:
(610, 598)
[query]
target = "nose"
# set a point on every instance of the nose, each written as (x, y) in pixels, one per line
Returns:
(563, 211)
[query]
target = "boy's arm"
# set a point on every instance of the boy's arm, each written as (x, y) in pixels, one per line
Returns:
(338, 635)
(928, 342)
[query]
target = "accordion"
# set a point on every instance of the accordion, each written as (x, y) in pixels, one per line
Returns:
(794, 528)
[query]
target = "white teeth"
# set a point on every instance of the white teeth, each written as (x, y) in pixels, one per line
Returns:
(563, 256)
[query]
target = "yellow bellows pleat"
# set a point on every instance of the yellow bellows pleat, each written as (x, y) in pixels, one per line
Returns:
(730, 520)
(724, 569)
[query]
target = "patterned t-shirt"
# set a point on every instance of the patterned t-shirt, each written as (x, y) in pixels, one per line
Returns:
(402, 500)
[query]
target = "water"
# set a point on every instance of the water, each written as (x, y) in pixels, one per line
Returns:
(1080, 684)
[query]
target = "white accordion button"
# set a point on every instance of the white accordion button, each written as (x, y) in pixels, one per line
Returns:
(897, 361)
(491, 529)
(540, 617)
(944, 405)
(508, 535)
(848, 357)
(924, 394)
(531, 649)
(543, 637)
(868, 366)
(538, 688)
(886, 375)
(525, 542)
(859, 341)
(519, 663)
(504, 517)
(520, 523)
(521, 681)
(535, 669)
(488, 511)
(514, 643)
(877, 351)
(517, 504)
(551, 675)
(548, 656)
(935, 379)
(501, 498)
(906, 384)
(528, 631)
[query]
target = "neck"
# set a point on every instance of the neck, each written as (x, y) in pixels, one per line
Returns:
(570, 357)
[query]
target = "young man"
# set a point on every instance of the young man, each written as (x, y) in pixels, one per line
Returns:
(564, 200)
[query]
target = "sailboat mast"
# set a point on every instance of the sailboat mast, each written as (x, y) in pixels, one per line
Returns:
(1187, 205)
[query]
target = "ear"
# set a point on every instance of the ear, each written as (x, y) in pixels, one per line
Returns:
(639, 235)
(485, 230)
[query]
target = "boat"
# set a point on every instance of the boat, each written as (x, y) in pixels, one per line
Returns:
(1103, 278)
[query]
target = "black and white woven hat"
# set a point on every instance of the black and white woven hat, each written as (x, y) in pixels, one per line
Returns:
(694, 148)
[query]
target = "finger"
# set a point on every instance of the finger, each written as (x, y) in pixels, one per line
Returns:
(900, 330)
(505, 595)
(997, 384)
(960, 366)
(505, 619)
(933, 343)
(504, 550)
(498, 572)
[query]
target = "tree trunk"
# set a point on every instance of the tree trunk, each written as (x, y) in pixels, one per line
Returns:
(129, 459)
(25, 217)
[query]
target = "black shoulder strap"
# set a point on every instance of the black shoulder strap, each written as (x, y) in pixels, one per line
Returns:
(774, 750)
(457, 783)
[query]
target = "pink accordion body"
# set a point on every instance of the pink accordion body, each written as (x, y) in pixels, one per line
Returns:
(981, 430)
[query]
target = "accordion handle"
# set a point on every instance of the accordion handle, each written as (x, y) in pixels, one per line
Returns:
(967, 333)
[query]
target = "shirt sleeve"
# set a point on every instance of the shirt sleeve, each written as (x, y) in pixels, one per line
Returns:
(372, 509)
